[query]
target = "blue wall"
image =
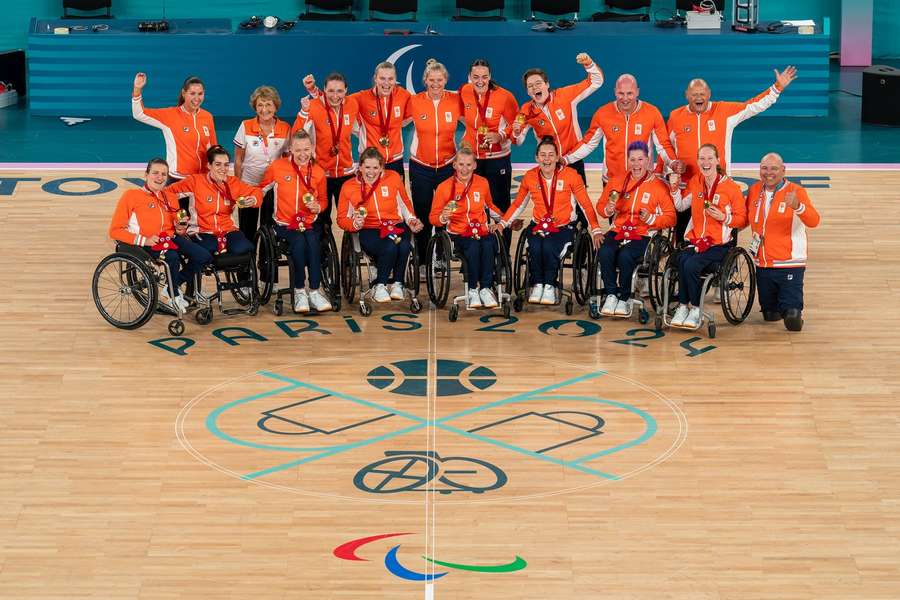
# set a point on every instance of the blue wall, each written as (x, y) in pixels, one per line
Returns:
(15, 14)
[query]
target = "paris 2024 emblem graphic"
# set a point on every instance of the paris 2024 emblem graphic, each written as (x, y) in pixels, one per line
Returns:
(397, 427)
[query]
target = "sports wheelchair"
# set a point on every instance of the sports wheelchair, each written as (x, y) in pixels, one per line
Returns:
(647, 274)
(273, 253)
(126, 289)
(576, 256)
(440, 255)
(240, 279)
(358, 272)
(735, 280)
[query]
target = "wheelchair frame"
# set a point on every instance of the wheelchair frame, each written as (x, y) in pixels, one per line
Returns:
(355, 262)
(230, 265)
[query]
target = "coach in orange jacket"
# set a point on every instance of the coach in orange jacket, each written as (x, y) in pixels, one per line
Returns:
(779, 212)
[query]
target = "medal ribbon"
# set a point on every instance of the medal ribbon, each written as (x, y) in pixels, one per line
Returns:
(336, 131)
(547, 225)
(384, 121)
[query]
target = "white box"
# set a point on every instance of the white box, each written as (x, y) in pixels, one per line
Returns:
(697, 20)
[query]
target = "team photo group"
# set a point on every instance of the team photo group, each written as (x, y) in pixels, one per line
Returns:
(662, 232)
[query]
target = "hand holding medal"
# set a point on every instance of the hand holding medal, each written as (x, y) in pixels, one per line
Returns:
(246, 201)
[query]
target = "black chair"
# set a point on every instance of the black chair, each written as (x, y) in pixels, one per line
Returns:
(630, 5)
(393, 7)
(555, 8)
(336, 10)
(87, 6)
(481, 7)
(687, 5)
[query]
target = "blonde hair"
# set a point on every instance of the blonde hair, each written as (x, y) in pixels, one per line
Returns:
(433, 65)
(465, 149)
(265, 92)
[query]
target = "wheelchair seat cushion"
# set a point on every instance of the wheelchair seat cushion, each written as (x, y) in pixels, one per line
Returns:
(229, 260)
(136, 251)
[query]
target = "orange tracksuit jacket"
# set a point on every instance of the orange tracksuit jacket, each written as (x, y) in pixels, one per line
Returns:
(389, 202)
(434, 139)
(558, 117)
(727, 197)
(370, 103)
(499, 114)
(289, 189)
(318, 123)
(783, 229)
(689, 130)
(651, 194)
(617, 130)
(141, 214)
(188, 136)
(569, 190)
(472, 208)
(212, 203)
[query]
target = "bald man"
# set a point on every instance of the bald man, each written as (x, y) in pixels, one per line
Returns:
(779, 212)
(619, 123)
(704, 122)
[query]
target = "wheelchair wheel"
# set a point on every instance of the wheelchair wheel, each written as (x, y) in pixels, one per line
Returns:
(124, 290)
(582, 265)
(437, 269)
(266, 262)
(658, 252)
(520, 264)
(412, 281)
(331, 270)
(453, 313)
(737, 285)
(237, 278)
(349, 268)
(502, 268)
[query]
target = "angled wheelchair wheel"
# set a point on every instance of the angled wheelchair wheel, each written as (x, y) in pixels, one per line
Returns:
(349, 268)
(658, 252)
(124, 291)
(502, 267)
(411, 280)
(331, 270)
(437, 268)
(245, 280)
(737, 285)
(520, 264)
(266, 263)
(582, 266)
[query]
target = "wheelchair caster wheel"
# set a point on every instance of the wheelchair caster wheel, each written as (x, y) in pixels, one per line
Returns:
(517, 304)
(203, 316)
(711, 330)
(570, 308)
(415, 306)
(453, 314)
(176, 327)
(643, 316)
(254, 308)
(507, 309)
(658, 323)
(365, 309)
(278, 307)
(593, 311)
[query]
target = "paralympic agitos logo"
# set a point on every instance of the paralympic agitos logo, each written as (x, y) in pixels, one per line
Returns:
(347, 551)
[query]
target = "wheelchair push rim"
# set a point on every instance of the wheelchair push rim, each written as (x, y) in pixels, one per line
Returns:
(124, 291)
(437, 274)
(737, 285)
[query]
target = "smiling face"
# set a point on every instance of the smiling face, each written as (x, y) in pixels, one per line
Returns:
(627, 93)
(697, 96)
(385, 80)
(335, 91)
(771, 170)
(547, 156)
(537, 88)
(157, 176)
(218, 168)
(193, 96)
(464, 165)
(301, 150)
(265, 109)
(371, 169)
(435, 82)
(708, 161)
(638, 163)
(480, 78)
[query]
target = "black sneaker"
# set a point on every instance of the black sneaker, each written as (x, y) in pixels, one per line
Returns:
(772, 315)
(793, 320)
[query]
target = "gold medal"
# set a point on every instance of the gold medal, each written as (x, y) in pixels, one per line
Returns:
(307, 198)
(384, 141)
(482, 129)
(182, 216)
(614, 196)
(362, 212)
(452, 205)
(520, 119)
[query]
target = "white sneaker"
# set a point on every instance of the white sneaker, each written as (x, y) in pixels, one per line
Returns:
(319, 301)
(201, 299)
(693, 318)
(301, 300)
(397, 291)
(623, 308)
(680, 315)
(609, 307)
(549, 296)
(487, 298)
(182, 302)
(381, 294)
(472, 299)
(537, 292)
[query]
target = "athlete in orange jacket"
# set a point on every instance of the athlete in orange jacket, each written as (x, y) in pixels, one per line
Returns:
(144, 217)
(187, 129)
(621, 122)
(330, 119)
(639, 204)
(554, 190)
(779, 212)
(462, 204)
(554, 113)
(717, 207)
(374, 204)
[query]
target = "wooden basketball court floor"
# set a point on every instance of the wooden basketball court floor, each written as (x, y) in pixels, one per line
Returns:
(613, 462)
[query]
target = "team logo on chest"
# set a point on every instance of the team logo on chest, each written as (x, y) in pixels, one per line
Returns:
(615, 129)
(371, 113)
(151, 205)
(186, 129)
(687, 128)
(287, 177)
(209, 199)
(637, 129)
(423, 117)
(541, 123)
(560, 115)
